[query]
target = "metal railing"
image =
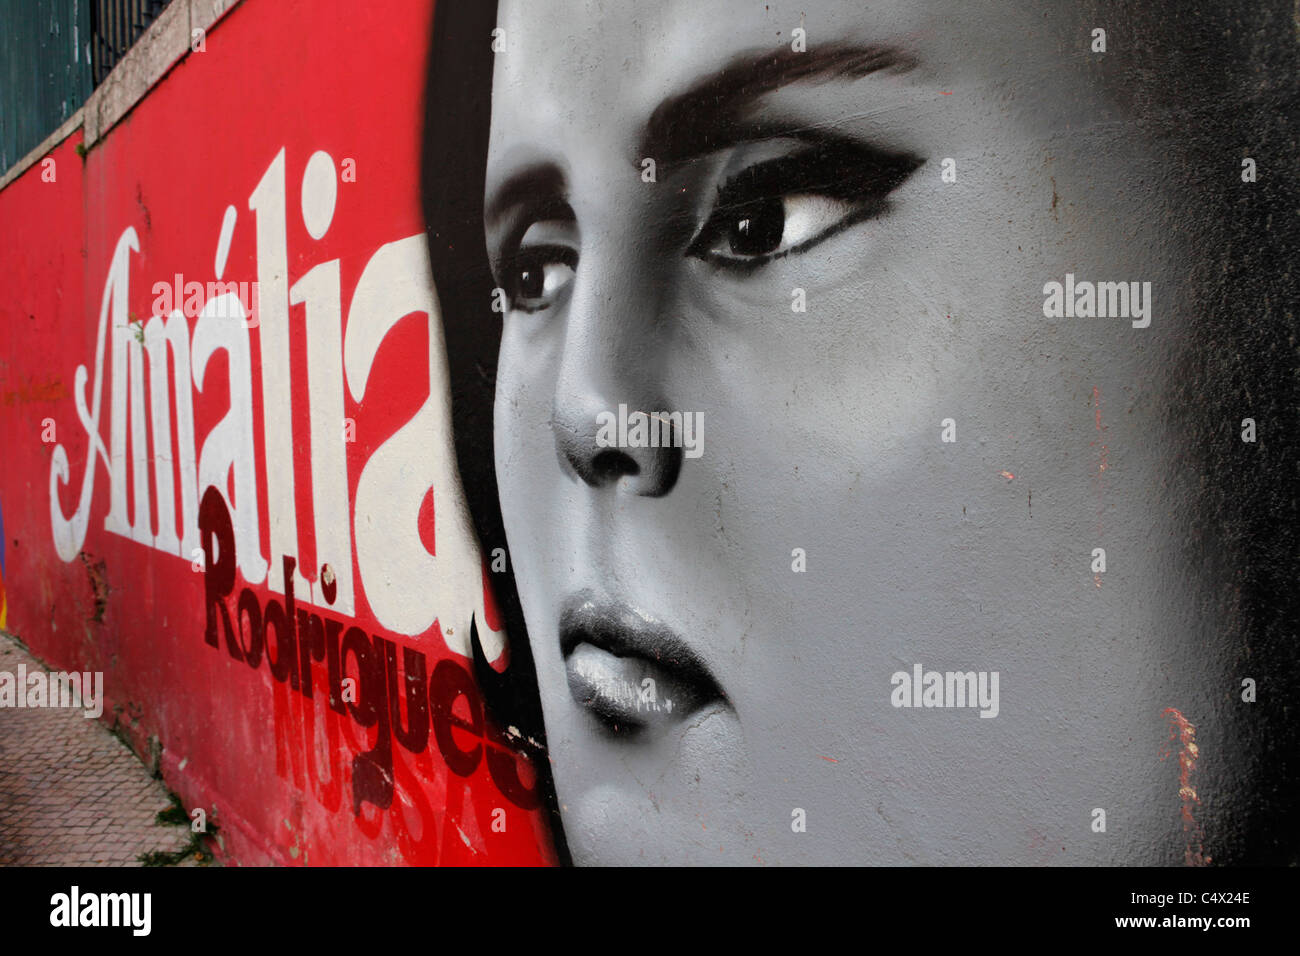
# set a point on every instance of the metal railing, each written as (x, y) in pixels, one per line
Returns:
(114, 26)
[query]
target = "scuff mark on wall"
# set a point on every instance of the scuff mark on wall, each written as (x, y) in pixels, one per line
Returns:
(1183, 731)
(97, 571)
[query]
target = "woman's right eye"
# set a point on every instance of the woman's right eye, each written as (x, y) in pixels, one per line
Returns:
(537, 275)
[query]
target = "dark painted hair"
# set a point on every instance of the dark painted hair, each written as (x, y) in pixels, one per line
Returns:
(1209, 83)
(1229, 92)
(457, 111)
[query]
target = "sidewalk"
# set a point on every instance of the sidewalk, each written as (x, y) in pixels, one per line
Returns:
(71, 794)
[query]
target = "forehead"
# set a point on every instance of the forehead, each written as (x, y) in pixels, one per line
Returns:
(618, 59)
(598, 68)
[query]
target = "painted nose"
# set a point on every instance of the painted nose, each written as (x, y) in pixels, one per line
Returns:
(616, 356)
(607, 444)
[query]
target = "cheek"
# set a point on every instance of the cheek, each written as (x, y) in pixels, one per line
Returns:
(521, 411)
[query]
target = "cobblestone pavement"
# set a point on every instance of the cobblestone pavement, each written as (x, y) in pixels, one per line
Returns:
(72, 794)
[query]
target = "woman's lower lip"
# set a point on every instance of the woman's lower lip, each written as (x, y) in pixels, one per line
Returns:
(628, 693)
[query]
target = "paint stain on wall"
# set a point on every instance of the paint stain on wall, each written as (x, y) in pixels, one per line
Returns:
(1182, 732)
(97, 571)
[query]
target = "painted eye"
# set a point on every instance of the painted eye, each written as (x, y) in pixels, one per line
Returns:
(538, 275)
(770, 227)
(789, 204)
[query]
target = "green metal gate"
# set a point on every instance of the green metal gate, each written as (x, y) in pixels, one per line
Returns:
(52, 54)
(45, 70)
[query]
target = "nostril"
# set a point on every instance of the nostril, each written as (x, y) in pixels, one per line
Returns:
(588, 451)
(611, 464)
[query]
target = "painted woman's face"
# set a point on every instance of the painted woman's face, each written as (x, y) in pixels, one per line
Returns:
(818, 260)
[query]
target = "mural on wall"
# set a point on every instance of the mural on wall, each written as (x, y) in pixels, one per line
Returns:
(715, 433)
(877, 413)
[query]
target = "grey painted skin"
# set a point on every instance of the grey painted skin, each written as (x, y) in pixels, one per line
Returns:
(823, 433)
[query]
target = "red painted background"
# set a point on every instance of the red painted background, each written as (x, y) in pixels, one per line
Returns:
(272, 767)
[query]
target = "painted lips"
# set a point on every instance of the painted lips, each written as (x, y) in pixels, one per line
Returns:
(630, 671)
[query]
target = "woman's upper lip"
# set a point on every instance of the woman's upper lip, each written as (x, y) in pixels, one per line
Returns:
(621, 630)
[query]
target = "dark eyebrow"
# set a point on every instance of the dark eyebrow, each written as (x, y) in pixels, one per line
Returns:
(708, 116)
(537, 184)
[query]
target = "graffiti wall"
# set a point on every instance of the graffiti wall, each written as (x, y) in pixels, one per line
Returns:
(714, 433)
(240, 500)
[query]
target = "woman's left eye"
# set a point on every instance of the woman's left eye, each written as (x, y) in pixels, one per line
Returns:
(787, 205)
(768, 228)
